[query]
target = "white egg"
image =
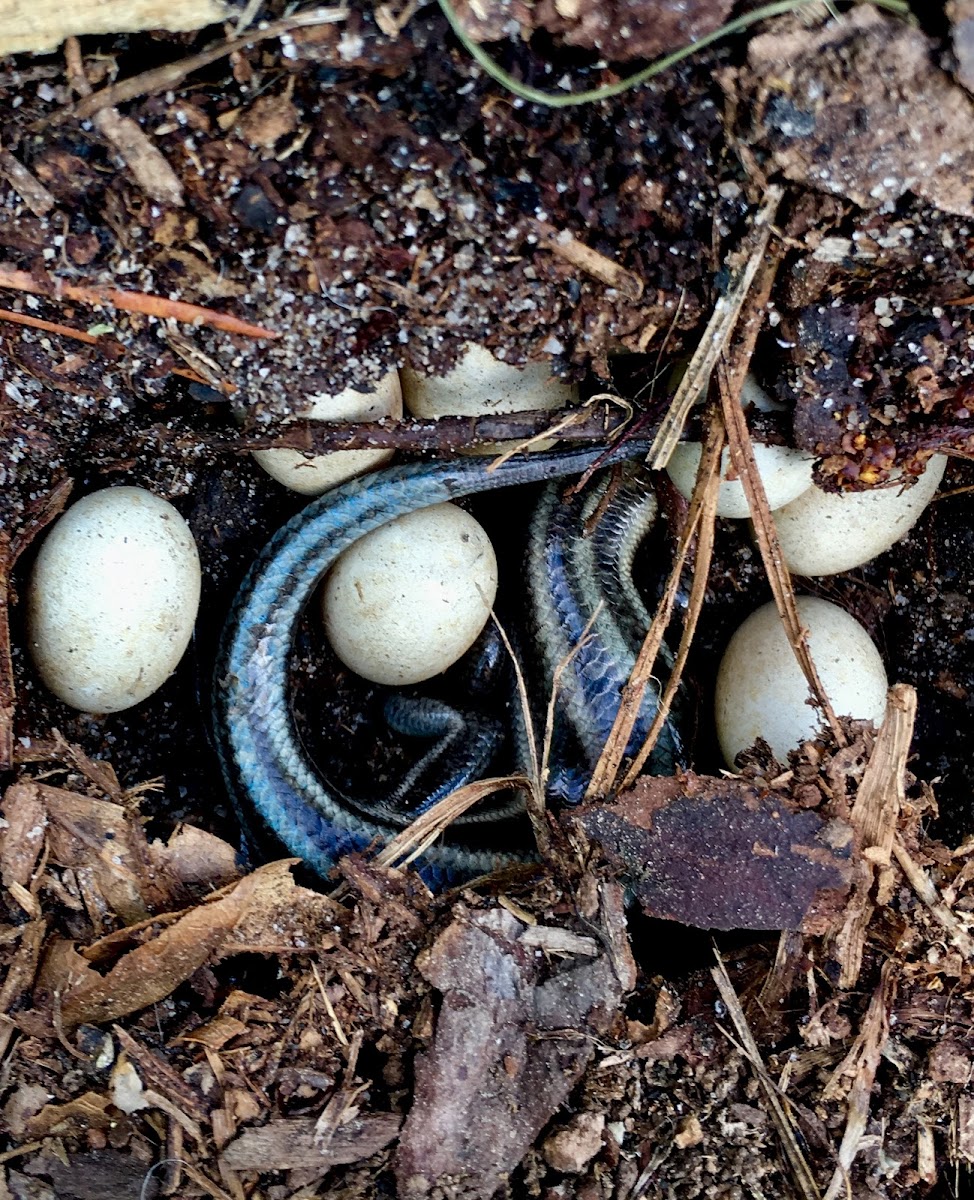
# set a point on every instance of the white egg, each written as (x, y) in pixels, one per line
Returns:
(112, 599)
(785, 473)
(406, 601)
(481, 384)
(824, 532)
(761, 691)
(313, 475)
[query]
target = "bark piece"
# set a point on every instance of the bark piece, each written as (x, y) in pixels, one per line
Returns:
(292, 1144)
(491, 1079)
(719, 854)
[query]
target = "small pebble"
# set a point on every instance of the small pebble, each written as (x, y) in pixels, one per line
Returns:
(314, 475)
(406, 601)
(785, 473)
(112, 599)
(761, 691)
(822, 533)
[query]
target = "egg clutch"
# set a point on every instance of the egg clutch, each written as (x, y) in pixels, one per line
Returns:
(115, 588)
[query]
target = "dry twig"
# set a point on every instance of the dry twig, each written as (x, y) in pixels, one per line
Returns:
(137, 302)
(861, 1064)
(801, 1173)
(716, 336)
(700, 519)
(565, 246)
(730, 379)
(874, 815)
(141, 155)
(27, 186)
(170, 76)
(703, 510)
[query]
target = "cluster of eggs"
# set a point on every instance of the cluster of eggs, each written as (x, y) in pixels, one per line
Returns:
(761, 690)
(115, 588)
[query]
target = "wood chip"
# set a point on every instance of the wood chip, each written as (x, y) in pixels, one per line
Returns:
(42, 25)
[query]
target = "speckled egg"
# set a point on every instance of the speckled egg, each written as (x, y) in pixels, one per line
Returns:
(761, 691)
(822, 533)
(785, 473)
(406, 601)
(312, 475)
(112, 599)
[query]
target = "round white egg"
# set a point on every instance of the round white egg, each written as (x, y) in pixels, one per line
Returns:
(824, 532)
(785, 473)
(112, 599)
(407, 600)
(480, 384)
(761, 691)
(312, 475)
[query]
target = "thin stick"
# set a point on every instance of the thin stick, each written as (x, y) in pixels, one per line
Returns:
(565, 246)
(716, 336)
(921, 884)
(68, 331)
(704, 500)
(801, 1172)
(160, 79)
(630, 703)
(779, 577)
(137, 302)
(442, 433)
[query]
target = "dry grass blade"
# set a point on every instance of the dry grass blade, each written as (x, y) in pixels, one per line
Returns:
(703, 503)
(874, 815)
(40, 512)
(801, 1173)
(716, 336)
(700, 518)
(417, 837)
